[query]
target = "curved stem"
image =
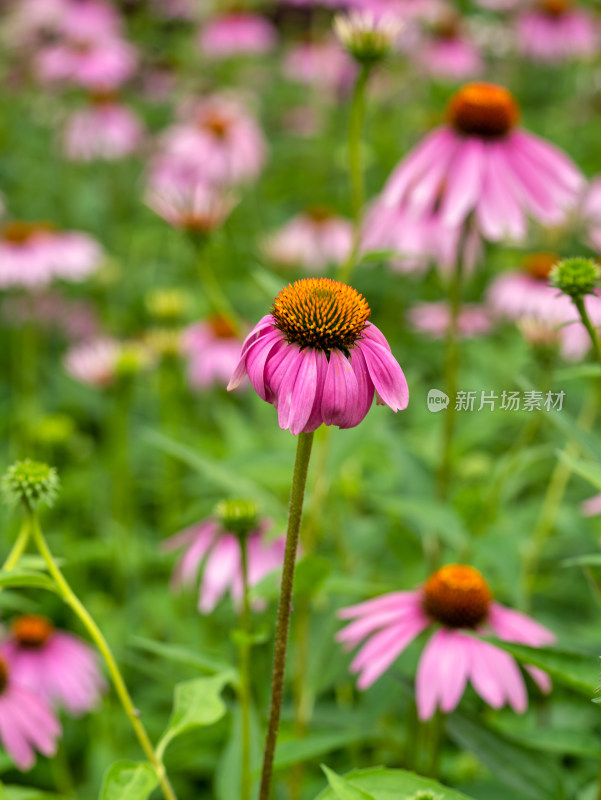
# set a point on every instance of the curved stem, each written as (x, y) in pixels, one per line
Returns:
(357, 116)
(297, 494)
(586, 321)
(97, 636)
(19, 547)
(217, 298)
(244, 691)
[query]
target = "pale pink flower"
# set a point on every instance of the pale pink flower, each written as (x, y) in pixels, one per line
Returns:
(56, 666)
(591, 507)
(106, 130)
(312, 240)
(323, 65)
(76, 319)
(27, 724)
(89, 19)
(93, 362)
(194, 207)
(591, 212)
(480, 165)
(219, 142)
(213, 350)
(434, 319)
(94, 63)
(318, 360)
(544, 315)
(33, 254)
(236, 34)
(456, 599)
(402, 9)
(216, 553)
(554, 32)
(450, 58)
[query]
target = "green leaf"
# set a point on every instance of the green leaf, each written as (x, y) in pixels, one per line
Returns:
(389, 784)
(533, 775)
(24, 793)
(571, 668)
(228, 774)
(343, 789)
(574, 742)
(197, 703)
(182, 655)
(295, 751)
(589, 560)
(34, 580)
(128, 780)
(310, 574)
(591, 472)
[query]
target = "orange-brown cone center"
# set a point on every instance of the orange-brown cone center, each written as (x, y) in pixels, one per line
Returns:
(3, 675)
(222, 327)
(217, 124)
(483, 109)
(318, 214)
(32, 630)
(457, 596)
(18, 232)
(539, 265)
(554, 8)
(321, 313)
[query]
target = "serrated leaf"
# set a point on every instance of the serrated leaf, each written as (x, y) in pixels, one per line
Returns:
(571, 668)
(197, 703)
(128, 780)
(392, 784)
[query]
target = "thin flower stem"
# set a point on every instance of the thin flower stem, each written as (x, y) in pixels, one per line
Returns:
(451, 369)
(19, 547)
(244, 690)
(217, 298)
(97, 636)
(586, 321)
(356, 119)
(297, 493)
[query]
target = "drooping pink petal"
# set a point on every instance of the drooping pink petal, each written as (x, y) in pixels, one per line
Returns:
(382, 603)
(340, 391)
(517, 627)
(386, 374)
(304, 393)
(220, 570)
(464, 183)
(442, 672)
(382, 649)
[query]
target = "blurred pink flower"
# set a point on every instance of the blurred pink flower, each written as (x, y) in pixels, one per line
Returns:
(591, 507)
(217, 551)
(499, 5)
(33, 254)
(312, 240)
(236, 34)
(89, 19)
(554, 31)
(56, 666)
(591, 212)
(27, 724)
(457, 599)
(452, 57)
(105, 130)
(544, 315)
(196, 207)
(323, 65)
(480, 164)
(434, 319)
(219, 142)
(32, 23)
(403, 9)
(93, 362)
(49, 309)
(213, 350)
(318, 360)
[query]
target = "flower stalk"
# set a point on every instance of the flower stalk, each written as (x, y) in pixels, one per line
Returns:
(297, 493)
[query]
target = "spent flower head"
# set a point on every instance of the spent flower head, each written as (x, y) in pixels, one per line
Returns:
(576, 277)
(30, 482)
(367, 38)
(238, 516)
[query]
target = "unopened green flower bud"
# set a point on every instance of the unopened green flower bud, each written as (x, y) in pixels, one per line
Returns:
(134, 358)
(368, 39)
(167, 305)
(238, 516)
(576, 277)
(30, 482)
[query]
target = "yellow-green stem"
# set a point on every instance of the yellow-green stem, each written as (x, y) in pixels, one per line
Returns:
(71, 599)
(18, 547)
(592, 331)
(244, 693)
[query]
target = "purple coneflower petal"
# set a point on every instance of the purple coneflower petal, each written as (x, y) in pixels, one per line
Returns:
(376, 604)
(339, 392)
(437, 145)
(256, 359)
(483, 676)
(220, 570)
(304, 392)
(516, 627)
(382, 649)
(465, 180)
(386, 374)
(442, 673)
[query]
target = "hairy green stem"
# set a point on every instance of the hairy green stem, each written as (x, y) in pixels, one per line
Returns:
(297, 494)
(71, 599)
(244, 690)
(586, 321)
(355, 129)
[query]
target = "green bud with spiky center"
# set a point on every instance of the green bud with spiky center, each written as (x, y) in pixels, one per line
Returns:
(30, 482)
(238, 516)
(366, 38)
(576, 277)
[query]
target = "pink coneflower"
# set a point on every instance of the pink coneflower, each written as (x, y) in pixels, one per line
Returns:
(553, 31)
(93, 362)
(318, 360)
(33, 254)
(458, 599)
(236, 34)
(56, 666)
(312, 240)
(434, 319)
(219, 142)
(92, 62)
(198, 207)
(26, 722)
(591, 212)
(217, 550)
(212, 348)
(323, 65)
(105, 130)
(480, 163)
(448, 53)
(76, 319)
(543, 315)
